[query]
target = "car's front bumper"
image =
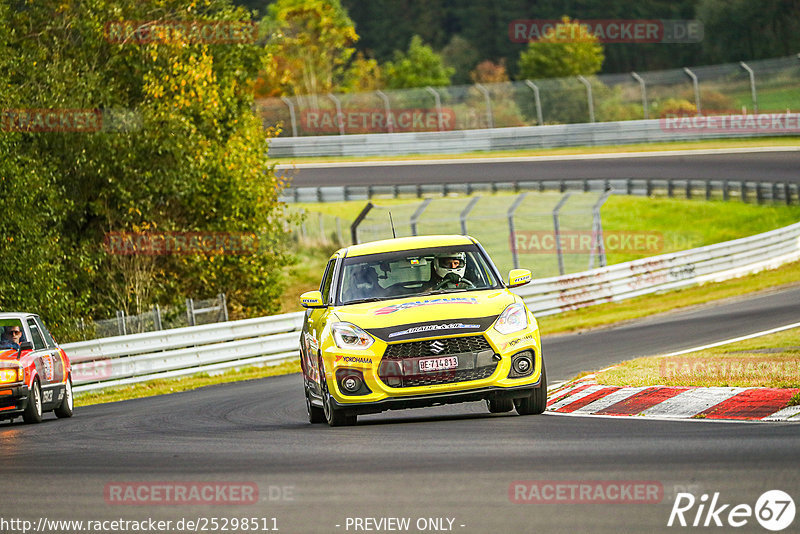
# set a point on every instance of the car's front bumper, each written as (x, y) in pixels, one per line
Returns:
(13, 400)
(437, 399)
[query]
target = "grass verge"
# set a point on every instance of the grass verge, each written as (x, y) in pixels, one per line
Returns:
(767, 361)
(612, 149)
(175, 385)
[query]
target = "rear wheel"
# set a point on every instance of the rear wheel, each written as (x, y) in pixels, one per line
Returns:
(500, 405)
(315, 415)
(33, 411)
(537, 401)
(65, 409)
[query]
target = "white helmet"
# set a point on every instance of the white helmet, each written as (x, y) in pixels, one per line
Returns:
(444, 264)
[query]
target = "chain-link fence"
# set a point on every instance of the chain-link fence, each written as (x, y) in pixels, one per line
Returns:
(549, 233)
(765, 86)
(196, 312)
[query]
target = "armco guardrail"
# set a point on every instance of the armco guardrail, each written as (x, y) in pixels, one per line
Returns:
(548, 136)
(182, 351)
(658, 273)
(167, 353)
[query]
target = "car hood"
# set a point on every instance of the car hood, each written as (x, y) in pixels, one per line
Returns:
(428, 316)
(8, 355)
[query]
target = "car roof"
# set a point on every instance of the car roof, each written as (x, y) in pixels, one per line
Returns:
(16, 315)
(406, 243)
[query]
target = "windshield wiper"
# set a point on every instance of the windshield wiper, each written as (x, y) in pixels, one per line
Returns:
(440, 291)
(359, 301)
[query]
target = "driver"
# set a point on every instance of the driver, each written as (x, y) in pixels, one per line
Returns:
(11, 337)
(449, 269)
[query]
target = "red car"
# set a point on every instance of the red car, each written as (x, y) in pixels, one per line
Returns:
(35, 373)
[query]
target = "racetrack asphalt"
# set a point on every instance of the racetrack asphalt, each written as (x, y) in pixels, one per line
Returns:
(453, 462)
(770, 166)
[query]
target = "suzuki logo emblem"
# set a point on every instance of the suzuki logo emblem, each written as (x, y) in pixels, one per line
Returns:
(437, 347)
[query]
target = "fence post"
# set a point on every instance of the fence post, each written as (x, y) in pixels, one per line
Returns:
(589, 98)
(359, 219)
(291, 115)
(190, 312)
(223, 302)
(557, 232)
(339, 117)
(488, 98)
(157, 317)
(121, 326)
(339, 231)
(644, 93)
(388, 108)
(512, 231)
(597, 231)
(537, 100)
(465, 212)
(752, 85)
(691, 75)
(417, 214)
(438, 99)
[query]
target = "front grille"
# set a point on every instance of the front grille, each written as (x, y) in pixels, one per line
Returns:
(448, 377)
(452, 345)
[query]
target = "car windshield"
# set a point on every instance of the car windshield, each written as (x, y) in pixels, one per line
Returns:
(410, 273)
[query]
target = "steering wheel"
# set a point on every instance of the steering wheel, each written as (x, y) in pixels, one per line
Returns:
(443, 282)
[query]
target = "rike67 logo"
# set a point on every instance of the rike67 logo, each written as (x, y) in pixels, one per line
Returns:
(774, 510)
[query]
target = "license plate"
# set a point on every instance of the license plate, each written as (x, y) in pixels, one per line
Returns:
(439, 364)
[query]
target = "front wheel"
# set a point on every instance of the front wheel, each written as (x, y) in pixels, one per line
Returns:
(33, 411)
(65, 409)
(334, 416)
(536, 402)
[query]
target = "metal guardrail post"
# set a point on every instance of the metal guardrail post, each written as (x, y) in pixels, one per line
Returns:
(589, 98)
(291, 115)
(644, 93)
(438, 99)
(339, 116)
(512, 231)
(359, 219)
(465, 213)
(557, 232)
(537, 99)
(696, 85)
(752, 85)
(417, 214)
(223, 303)
(388, 109)
(488, 98)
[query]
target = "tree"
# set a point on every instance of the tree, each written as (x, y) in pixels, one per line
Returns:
(489, 72)
(192, 159)
(566, 50)
(419, 66)
(311, 46)
(461, 56)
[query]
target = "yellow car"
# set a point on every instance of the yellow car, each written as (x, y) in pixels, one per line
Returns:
(418, 321)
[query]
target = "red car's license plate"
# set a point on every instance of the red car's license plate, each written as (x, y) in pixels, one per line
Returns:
(439, 364)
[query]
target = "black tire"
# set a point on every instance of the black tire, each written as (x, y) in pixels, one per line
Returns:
(333, 415)
(33, 411)
(500, 405)
(537, 401)
(315, 415)
(65, 408)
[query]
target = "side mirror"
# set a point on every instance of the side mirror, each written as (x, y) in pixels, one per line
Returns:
(518, 277)
(25, 345)
(312, 299)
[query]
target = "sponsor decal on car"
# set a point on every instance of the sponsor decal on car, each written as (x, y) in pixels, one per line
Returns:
(433, 328)
(352, 359)
(445, 300)
(515, 342)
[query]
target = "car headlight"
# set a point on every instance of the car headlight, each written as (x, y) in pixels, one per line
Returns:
(11, 375)
(513, 319)
(349, 336)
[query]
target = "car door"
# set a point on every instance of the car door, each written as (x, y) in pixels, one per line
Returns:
(43, 360)
(59, 363)
(315, 321)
